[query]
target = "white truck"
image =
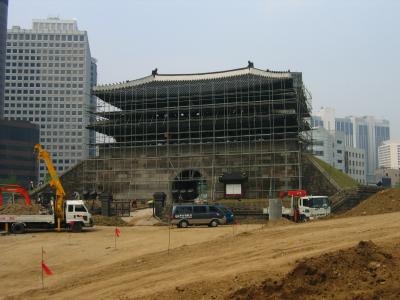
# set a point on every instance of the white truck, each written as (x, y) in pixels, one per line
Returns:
(76, 217)
(309, 208)
(306, 208)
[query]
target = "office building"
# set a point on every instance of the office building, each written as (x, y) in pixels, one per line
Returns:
(355, 164)
(330, 147)
(365, 133)
(3, 37)
(49, 75)
(17, 160)
(326, 117)
(389, 154)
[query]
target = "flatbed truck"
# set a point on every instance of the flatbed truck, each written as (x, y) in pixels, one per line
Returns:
(76, 217)
(303, 207)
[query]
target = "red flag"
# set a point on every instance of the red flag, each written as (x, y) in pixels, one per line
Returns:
(46, 269)
(117, 231)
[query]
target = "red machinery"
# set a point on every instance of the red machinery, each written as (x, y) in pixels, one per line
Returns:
(293, 204)
(14, 188)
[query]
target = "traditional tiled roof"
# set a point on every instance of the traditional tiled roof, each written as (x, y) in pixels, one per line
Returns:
(192, 77)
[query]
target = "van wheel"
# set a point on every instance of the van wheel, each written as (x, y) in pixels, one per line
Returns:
(76, 227)
(183, 224)
(18, 228)
(214, 223)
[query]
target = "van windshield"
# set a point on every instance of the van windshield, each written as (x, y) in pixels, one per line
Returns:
(316, 202)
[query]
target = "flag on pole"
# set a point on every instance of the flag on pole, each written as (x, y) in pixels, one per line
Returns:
(117, 231)
(46, 269)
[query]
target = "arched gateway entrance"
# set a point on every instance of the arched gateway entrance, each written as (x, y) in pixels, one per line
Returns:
(188, 186)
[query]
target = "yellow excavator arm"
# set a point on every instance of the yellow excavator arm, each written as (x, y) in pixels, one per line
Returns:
(54, 181)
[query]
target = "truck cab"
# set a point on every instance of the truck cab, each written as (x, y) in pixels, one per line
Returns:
(313, 207)
(77, 215)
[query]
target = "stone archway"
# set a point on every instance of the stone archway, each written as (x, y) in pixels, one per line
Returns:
(187, 186)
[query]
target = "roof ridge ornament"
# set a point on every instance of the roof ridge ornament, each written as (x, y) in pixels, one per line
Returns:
(250, 64)
(154, 72)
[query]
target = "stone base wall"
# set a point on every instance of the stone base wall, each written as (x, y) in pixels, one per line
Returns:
(141, 177)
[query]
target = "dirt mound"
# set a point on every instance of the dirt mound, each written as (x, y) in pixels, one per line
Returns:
(19, 209)
(385, 201)
(108, 221)
(362, 272)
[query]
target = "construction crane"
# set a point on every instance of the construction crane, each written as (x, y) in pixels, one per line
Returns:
(54, 182)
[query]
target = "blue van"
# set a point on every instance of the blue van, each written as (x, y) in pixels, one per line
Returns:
(184, 215)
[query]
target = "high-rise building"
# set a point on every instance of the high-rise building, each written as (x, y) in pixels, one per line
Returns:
(330, 147)
(49, 75)
(327, 116)
(3, 35)
(366, 133)
(17, 160)
(389, 154)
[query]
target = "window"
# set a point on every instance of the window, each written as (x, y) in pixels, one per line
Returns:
(80, 208)
(184, 210)
(70, 208)
(213, 209)
(199, 209)
(318, 143)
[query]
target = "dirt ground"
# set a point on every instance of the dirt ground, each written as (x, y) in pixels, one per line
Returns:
(203, 263)
(366, 271)
(385, 201)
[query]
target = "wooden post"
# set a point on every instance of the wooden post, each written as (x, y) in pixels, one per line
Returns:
(58, 225)
(115, 237)
(6, 227)
(169, 233)
(41, 266)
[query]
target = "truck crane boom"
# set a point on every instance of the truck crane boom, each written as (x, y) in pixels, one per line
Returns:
(54, 182)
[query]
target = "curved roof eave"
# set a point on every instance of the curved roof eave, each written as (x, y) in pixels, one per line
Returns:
(191, 77)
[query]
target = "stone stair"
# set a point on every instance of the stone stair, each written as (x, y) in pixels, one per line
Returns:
(346, 199)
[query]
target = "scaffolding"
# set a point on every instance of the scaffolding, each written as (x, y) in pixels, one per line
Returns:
(179, 133)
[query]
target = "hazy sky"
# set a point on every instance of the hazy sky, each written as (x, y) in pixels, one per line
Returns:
(348, 50)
